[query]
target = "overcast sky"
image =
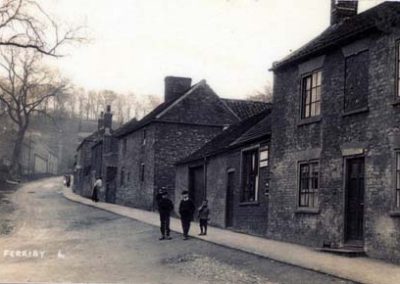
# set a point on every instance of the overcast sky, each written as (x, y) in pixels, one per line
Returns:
(230, 43)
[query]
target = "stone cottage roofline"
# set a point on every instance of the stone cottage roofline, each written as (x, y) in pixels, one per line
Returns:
(91, 138)
(240, 108)
(246, 131)
(382, 17)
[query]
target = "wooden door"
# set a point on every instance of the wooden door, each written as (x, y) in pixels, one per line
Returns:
(354, 211)
(111, 184)
(230, 189)
(196, 186)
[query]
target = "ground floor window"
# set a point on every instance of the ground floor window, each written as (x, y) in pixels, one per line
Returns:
(308, 184)
(398, 180)
(250, 164)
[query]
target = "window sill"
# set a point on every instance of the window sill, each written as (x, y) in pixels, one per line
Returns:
(309, 120)
(357, 111)
(396, 102)
(301, 210)
(394, 213)
(249, 203)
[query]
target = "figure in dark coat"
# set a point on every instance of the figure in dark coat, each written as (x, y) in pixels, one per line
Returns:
(204, 213)
(165, 207)
(186, 210)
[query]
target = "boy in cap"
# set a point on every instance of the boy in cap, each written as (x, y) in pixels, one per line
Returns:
(165, 207)
(186, 210)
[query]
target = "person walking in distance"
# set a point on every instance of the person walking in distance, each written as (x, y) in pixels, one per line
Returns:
(204, 212)
(165, 207)
(96, 187)
(186, 210)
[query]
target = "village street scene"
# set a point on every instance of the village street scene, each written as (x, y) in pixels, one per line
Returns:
(200, 141)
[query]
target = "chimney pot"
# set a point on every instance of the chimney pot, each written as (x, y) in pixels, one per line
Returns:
(108, 118)
(343, 9)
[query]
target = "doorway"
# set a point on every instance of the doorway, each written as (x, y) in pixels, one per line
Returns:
(230, 188)
(354, 201)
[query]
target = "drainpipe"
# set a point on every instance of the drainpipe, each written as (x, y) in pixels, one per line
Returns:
(205, 178)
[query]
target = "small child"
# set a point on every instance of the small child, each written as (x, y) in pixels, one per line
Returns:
(204, 212)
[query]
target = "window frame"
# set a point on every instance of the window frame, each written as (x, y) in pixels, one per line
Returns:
(142, 171)
(397, 71)
(397, 181)
(303, 94)
(255, 149)
(266, 160)
(314, 191)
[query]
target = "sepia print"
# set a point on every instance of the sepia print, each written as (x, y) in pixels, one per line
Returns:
(200, 141)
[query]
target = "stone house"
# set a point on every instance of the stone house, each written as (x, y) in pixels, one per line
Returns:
(232, 173)
(335, 159)
(97, 156)
(148, 149)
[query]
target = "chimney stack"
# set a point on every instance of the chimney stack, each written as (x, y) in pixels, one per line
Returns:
(108, 118)
(176, 87)
(343, 9)
(100, 122)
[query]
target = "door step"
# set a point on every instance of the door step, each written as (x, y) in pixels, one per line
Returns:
(345, 251)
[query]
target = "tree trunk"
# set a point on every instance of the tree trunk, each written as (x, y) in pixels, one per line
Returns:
(15, 170)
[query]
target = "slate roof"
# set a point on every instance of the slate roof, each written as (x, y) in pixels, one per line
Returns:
(242, 108)
(246, 131)
(380, 17)
(91, 138)
(134, 124)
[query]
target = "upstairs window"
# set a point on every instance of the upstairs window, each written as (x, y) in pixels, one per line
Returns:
(356, 82)
(124, 145)
(250, 163)
(308, 184)
(311, 95)
(398, 70)
(264, 157)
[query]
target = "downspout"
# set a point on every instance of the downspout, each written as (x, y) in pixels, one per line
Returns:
(205, 178)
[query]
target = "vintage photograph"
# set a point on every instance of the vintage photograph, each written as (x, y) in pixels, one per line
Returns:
(200, 141)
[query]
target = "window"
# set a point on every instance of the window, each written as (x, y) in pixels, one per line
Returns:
(250, 175)
(311, 95)
(398, 70)
(308, 184)
(142, 168)
(122, 177)
(398, 180)
(144, 137)
(124, 145)
(264, 157)
(356, 82)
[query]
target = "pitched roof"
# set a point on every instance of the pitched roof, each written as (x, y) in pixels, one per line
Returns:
(241, 108)
(134, 124)
(378, 18)
(244, 108)
(246, 131)
(91, 138)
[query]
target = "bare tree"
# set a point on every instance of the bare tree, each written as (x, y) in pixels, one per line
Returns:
(25, 24)
(25, 85)
(263, 96)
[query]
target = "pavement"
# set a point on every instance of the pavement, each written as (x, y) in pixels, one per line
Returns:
(360, 269)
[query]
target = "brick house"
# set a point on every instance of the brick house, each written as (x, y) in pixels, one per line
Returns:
(148, 149)
(97, 156)
(335, 159)
(232, 173)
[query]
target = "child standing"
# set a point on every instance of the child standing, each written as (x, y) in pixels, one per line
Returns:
(204, 212)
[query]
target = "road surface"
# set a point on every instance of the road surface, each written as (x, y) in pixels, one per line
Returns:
(56, 240)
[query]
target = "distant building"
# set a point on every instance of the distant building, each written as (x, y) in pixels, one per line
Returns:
(232, 172)
(189, 117)
(97, 157)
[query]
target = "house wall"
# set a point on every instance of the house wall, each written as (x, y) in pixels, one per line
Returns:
(249, 218)
(83, 178)
(330, 140)
(175, 142)
(135, 192)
